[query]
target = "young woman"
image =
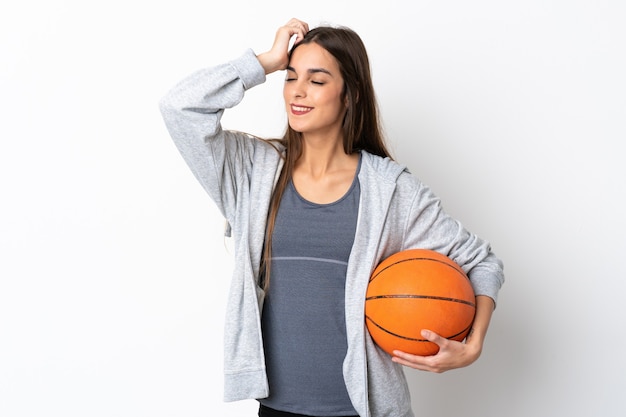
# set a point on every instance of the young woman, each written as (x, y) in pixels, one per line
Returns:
(312, 215)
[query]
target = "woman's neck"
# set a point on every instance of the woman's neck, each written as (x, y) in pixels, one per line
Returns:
(324, 172)
(321, 156)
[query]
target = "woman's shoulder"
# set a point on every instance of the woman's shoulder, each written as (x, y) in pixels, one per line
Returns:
(256, 142)
(389, 170)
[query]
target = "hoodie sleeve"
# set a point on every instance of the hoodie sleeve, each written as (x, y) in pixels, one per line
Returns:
(192, 111)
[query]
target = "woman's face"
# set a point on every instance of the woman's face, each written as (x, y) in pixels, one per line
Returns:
(313, 92)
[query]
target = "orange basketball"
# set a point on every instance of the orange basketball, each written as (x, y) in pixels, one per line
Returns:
(413, 290)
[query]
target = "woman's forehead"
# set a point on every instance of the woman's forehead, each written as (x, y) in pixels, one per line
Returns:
(311, 56)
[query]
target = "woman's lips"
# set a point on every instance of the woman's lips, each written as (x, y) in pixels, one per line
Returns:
(300, 110)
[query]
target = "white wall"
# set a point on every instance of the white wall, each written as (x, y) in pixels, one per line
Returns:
(113, 269)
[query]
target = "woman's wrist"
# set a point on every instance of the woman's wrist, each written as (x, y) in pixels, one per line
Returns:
(266, 63)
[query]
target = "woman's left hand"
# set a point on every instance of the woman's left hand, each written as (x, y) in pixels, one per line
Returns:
(451, 355)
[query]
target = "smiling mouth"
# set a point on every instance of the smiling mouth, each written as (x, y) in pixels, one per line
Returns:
(299, 110)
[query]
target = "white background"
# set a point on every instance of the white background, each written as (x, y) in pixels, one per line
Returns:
(113, 267)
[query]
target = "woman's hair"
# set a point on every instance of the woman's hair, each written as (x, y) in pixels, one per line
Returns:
(361, 125)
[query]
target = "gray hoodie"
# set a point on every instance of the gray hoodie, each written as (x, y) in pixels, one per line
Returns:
(396, 212)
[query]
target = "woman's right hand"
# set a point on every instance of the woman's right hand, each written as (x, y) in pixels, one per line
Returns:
(277, 57)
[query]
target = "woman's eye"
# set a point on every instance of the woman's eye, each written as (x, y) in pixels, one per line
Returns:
(289, 79)
(317, 82)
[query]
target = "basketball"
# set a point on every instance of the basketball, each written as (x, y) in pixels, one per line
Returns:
(413, 290)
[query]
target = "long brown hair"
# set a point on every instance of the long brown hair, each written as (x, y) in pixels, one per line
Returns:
(361, 124)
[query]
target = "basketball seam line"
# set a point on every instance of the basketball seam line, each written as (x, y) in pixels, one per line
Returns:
(418, 259)
(412, 338)
(427, 297)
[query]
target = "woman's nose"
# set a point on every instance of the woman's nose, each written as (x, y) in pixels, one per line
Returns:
(298, 89)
